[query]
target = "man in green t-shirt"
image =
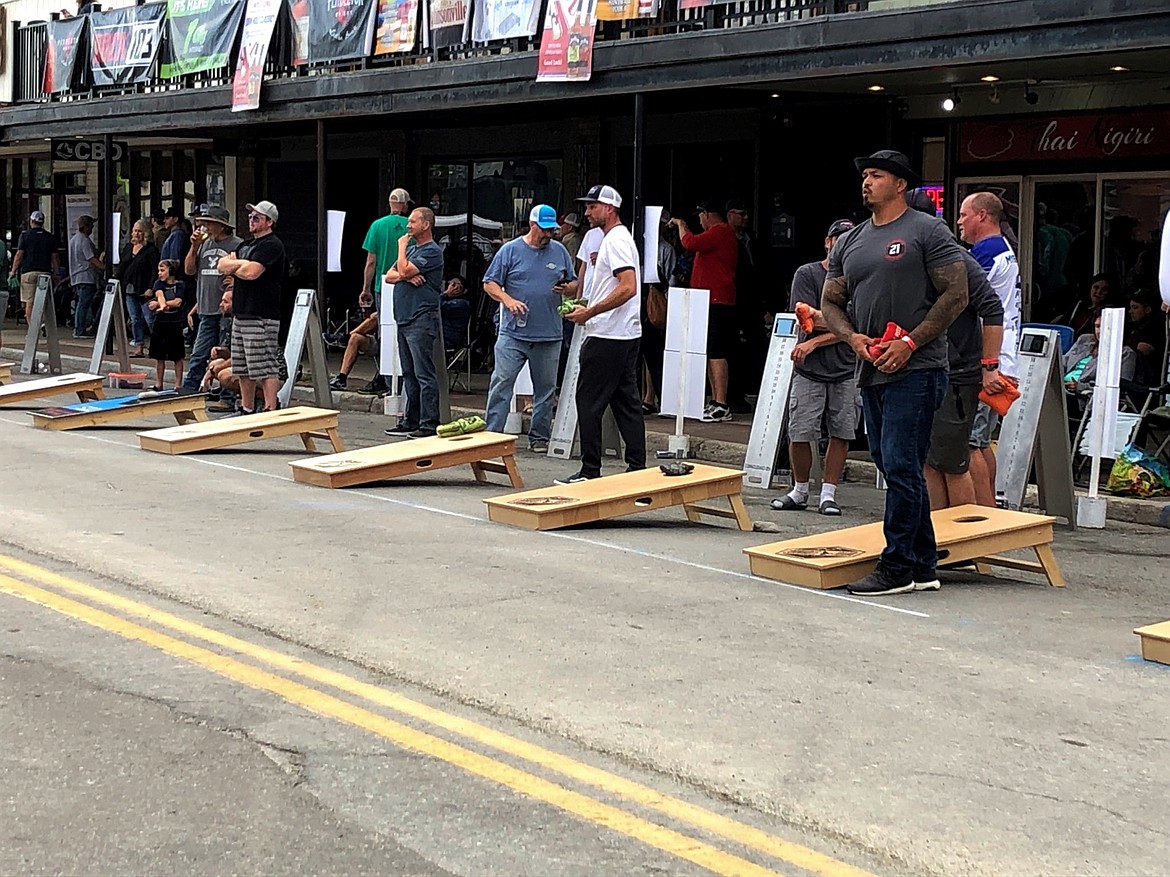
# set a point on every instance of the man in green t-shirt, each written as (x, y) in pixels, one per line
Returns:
(381, 246)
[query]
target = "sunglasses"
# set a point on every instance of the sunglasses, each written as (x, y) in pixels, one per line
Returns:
(256, 217)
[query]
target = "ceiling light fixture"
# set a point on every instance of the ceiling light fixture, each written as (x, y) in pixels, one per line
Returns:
(1030, 96)
(775, 95)
(989, 78)
(951, 102)
(1119, 69)
(876, 88)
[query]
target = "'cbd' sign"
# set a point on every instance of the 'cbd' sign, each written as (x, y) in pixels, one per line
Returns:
(87, 150)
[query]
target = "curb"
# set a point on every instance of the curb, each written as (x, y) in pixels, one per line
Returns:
(1126, 510)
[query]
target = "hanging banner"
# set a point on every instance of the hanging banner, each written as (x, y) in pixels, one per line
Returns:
(448, 22)
(504, 19)
(618, 10)
(124, 43)
(61, 51)
(695, 4)
(566, 43)
(341, 30)
(259, 23)
(299, 13)
(397, 26)
(200, 35)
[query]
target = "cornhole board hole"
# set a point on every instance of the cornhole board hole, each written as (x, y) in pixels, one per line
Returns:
(5, 372)
(550, 508)
(308, 423)
(383, 462)
(1155, 642)
(185, 407)
(87, 388)
(969, 532)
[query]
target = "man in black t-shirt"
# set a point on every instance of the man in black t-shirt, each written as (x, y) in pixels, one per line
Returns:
(822, 390)
(36, 254)
(258, 268)
(905, 270)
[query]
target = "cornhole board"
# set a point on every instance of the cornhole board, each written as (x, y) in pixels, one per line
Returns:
(968, 532)
(550, 508)
(383, 462)
(87, 388)
(308, 423)
(1155, 642)
(185, 407)
(5, 371)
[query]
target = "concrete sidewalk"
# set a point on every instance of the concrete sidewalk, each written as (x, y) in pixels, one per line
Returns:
(724, 443)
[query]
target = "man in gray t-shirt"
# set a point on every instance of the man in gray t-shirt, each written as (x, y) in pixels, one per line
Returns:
(894, 285)
(822, 389)
(212, 239)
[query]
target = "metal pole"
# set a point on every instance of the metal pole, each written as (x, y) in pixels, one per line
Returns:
(639, 156)
(322, 221)
(105, 209)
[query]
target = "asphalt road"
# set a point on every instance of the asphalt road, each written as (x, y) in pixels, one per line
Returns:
(996, 727)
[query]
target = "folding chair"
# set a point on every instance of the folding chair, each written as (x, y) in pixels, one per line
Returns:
(459, 364)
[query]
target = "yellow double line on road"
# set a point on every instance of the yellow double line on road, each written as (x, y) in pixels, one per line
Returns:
(705, 855)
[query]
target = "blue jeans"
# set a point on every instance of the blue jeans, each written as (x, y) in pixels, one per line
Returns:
(206, 337)
(420, 382)
(542, 358)
(83, 317)
(141, 319)
(898, 419)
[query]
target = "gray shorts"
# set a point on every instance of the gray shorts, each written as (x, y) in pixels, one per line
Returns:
(810, 402)
(255, 348)
(985, 423)
(952, 424)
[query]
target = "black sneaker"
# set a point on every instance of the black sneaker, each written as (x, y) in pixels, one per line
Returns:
(538, 446)
(400, 429)
(880, 584)
(338, 383)
(376, 387)
(420, 433)
(926, 580)
(576, 478)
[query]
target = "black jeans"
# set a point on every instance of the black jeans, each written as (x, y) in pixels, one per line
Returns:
(609, 378)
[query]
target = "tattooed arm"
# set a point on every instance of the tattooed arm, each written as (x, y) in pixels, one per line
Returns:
(834, 301)
(951, 283)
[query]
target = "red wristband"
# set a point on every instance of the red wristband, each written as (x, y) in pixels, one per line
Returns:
(909, 343)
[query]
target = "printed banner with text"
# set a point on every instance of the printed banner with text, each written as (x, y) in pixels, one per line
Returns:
(61, 50)
(624, 10)
(259, 23)
(299, 13)
(397, 26)
(200, 35)
(566, 43)
(124, 43)
(449, 22)
(341, 30)
(504, 19)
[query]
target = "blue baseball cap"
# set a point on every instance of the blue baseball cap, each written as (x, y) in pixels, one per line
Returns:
(544, 216)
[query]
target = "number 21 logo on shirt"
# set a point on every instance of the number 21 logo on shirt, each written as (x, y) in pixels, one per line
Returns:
(895, 250)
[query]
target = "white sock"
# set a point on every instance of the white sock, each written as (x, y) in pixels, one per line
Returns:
(799, 492)
(828, 492)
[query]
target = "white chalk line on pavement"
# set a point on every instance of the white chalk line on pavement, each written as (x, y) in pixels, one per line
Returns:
(572, 537)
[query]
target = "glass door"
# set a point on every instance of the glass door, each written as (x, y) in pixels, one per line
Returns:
(1009, 190)
(1062, 235)
(1133, 209)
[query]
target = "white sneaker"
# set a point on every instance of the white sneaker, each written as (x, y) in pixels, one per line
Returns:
(717, 414)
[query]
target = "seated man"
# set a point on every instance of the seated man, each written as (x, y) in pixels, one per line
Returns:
(1145, 333)
(361, 339)
(219, 371)
(455, 309)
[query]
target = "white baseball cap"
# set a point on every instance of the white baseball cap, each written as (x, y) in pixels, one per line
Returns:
(266, 208)
(603, 195)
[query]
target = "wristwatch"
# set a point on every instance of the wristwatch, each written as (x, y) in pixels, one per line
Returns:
(991, 365)
(909, 342)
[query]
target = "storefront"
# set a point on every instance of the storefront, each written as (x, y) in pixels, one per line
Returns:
(1085, 194)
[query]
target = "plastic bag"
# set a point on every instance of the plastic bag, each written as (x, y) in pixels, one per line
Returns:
(1136, 473)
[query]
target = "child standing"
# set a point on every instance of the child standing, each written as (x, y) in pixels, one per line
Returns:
(170, 305)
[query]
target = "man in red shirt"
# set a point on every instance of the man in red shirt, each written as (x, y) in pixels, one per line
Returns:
(716, 250)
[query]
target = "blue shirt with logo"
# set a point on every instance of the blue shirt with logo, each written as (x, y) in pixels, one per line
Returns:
(528, 274)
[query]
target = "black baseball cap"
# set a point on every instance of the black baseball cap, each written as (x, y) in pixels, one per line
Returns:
(893, 161)
(839, 228)
(174, 212)
(708, 206)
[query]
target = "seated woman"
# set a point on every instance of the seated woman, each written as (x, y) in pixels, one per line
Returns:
(455, 308)
(1080, 363)
(1088, 307)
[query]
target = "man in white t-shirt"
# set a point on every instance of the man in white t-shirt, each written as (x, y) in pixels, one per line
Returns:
(613, 328)
(979, 220)
(586, 256)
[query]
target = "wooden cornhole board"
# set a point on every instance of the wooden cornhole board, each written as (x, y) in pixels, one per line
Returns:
(5, 372)
(550, 508)
(1155, 642)
(185, 407)
(968, 532)
(383, 462)
(308, 423)
(87, 387)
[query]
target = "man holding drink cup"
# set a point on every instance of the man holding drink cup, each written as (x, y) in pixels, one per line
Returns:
(212, 239)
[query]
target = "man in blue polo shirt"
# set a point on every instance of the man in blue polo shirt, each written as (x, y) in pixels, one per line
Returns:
(529, 276)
